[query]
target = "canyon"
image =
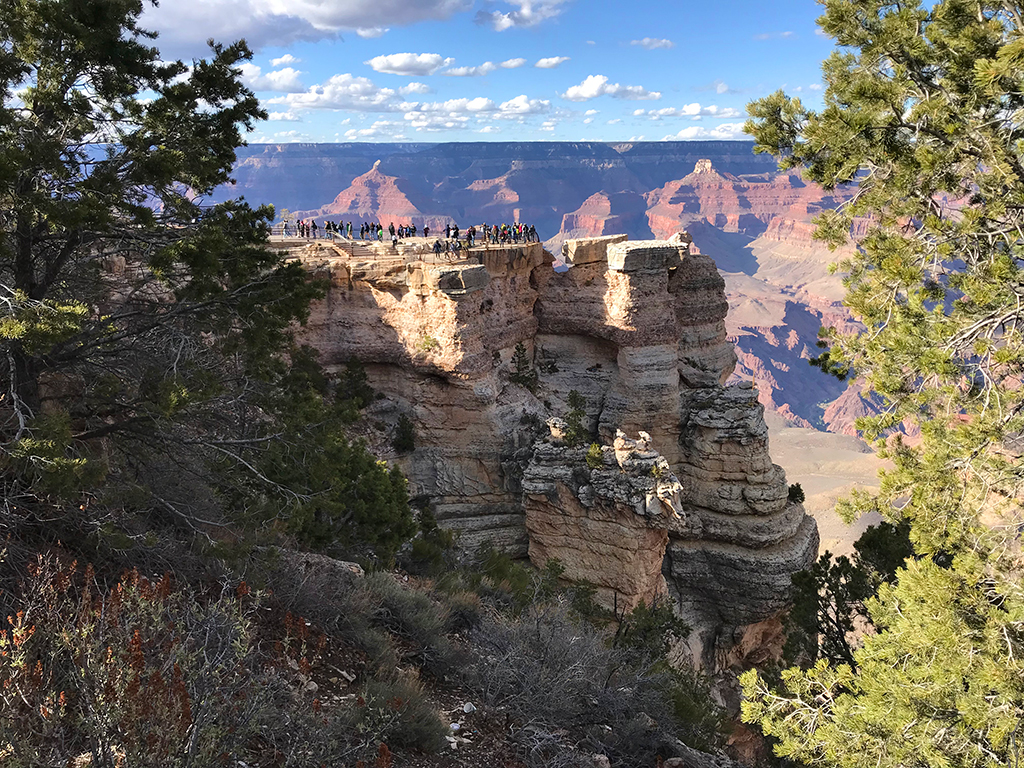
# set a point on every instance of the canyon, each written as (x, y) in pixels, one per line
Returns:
(492, 356)
(752, 220)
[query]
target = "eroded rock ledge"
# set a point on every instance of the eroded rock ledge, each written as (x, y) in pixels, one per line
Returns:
(638, 329)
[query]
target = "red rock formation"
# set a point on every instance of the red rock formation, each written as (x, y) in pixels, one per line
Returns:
(375, 196)
(605, 213)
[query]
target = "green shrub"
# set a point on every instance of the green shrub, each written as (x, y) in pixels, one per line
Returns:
(595, 457)
(414, 617)
(432, 552)
(353, 391)
(651, 628)
(575, 433)
(428, 344)
(522, 373)
(396, 713)
(404, 439)
(465, 610)
(796, 493)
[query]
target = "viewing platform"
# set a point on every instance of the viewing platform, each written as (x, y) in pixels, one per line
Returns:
(412, 264)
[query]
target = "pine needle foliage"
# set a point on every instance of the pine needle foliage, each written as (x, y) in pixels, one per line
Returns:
(148, 377)
(924, 114)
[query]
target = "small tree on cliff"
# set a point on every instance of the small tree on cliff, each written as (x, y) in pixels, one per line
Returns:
(144, 336)
(923, 111)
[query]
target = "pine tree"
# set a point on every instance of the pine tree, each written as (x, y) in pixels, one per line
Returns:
(145, 337)
(923, 112)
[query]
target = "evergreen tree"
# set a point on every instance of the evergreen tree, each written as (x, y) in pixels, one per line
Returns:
(923, 112)
(145, 337)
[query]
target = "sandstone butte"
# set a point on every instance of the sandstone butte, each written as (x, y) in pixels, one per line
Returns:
(684, 500)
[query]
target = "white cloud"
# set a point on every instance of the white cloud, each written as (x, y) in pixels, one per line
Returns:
(598, 85)
(371, 33)
(184, 27)
(775, 36)
(616, 121)
(344, 91)
(815, 87)
(423, 121)
(590, 112)
(588, 121)
(694, 111)
(379, 129)
(489, 129)
(282, 80)
(512, 63)
(408, 64)
(529, 13)
(522, 106)
(282, 60)
(453, 106)
(653, 43)
(551, 62)
(284, 117)
(414, 88)
(484, 69)
(725, 131)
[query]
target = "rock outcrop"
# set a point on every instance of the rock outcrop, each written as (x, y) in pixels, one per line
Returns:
(635, 331)
(604, 516)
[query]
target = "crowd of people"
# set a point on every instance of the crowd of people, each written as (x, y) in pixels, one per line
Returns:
(489, 234)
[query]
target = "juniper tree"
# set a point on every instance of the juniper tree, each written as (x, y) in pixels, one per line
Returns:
(924, 113)
(145, 336)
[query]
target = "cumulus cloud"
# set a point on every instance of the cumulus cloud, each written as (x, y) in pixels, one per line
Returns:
(653, 43)
(725, 131)
(282, 80)
(522, 106)
(815, 87)
(380, 129)
(408, 64)
(512, 63)
(527, 13)
(598, 85)
(484, 69)
(551, 62)
(184, 27)
(694, 111)
(490, 129)
(371, 33)
(775, 36)
(284, 60)
(590, 112)
(284, 117)
(414, 88)
(344, 91)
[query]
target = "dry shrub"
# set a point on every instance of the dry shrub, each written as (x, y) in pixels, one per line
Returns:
(142, 671)
(558, 676)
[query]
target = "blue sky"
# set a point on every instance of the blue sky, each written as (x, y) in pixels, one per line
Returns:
(528, 70)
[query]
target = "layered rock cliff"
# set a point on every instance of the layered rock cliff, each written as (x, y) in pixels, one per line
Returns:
(755, 222)
(635, 329)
